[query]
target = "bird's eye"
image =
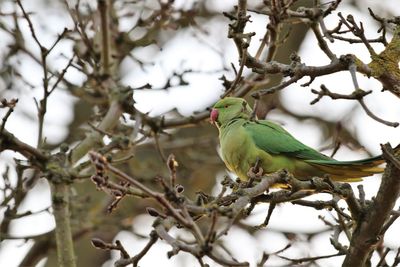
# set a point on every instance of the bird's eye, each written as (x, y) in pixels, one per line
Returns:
(226, 106)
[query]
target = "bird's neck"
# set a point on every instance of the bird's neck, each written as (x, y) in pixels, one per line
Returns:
(230, 123)
(240, 116)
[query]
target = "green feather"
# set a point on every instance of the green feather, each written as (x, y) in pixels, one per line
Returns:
(274, 139)
(244, 141)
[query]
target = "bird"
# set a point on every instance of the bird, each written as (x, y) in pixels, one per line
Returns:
(244, 140)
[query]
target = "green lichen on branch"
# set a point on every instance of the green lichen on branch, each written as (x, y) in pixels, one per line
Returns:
(65, 248)
(57, 173)
(385, 66)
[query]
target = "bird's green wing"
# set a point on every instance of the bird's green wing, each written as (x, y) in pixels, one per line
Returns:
(273, 139)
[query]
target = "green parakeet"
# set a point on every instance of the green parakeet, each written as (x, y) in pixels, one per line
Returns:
(243, 141)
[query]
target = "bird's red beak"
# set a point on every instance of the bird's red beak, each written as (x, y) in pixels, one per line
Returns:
(213, 115)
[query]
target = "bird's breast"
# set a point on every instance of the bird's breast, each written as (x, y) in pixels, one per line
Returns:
(238, 150)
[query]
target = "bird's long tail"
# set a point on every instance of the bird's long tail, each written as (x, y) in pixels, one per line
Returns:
(349, 171)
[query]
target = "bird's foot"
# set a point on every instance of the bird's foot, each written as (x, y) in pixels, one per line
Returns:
(255, 173)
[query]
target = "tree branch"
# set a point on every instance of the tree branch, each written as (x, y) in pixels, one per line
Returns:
(369, 226)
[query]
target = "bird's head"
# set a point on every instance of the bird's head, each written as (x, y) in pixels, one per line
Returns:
(228, 109)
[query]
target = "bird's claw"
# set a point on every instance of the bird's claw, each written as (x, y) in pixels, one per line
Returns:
(255, 173)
